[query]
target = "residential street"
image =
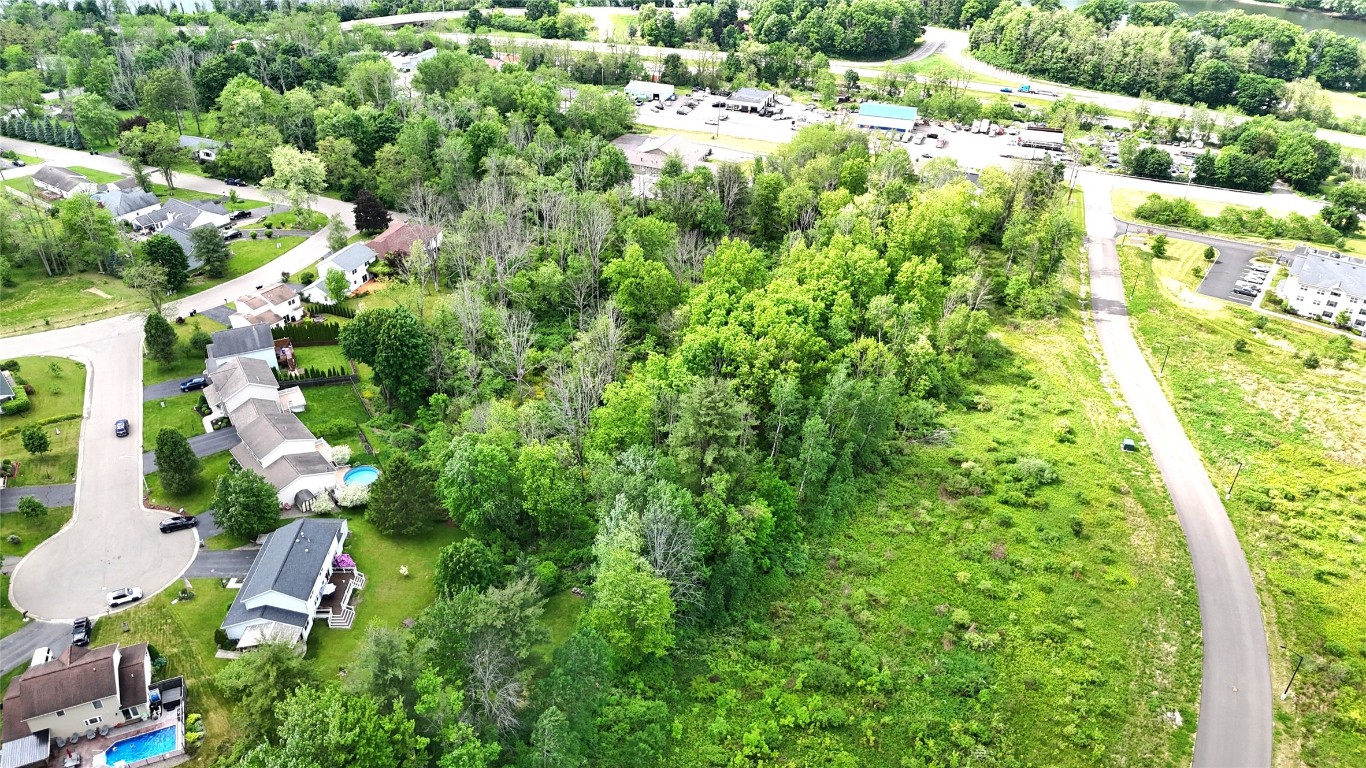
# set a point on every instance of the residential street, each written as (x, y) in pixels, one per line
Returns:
(1235, 726)
(111, 542)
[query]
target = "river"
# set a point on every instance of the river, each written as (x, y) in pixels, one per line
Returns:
(1310, 20)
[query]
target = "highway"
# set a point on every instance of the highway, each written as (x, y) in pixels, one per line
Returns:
(1235, 726)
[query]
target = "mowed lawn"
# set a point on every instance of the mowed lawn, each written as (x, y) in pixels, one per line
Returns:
(199, 498)
(59, 391)
(99, 177)
(39, 302)
(188, 362)
(178, 413)
(247, 256)
(1294, 436)
(182, 631)
(388, 597)
(31, 531)
(321, 358)
(1178, 270)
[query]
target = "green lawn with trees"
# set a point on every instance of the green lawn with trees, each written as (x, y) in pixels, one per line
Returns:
(31, 530)
(178, 414)
(1293, 436)
(198, 498)
(51, 423)
(192, 338)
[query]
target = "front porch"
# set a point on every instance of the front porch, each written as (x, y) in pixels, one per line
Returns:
(338, 604)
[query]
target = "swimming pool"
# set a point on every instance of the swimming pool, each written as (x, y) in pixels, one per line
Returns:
(141, 747)
(362, 475)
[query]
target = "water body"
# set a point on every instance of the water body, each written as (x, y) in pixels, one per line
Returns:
(1310, 20)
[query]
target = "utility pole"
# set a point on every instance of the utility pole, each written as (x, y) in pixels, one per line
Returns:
(1166, 350)
(1300, 657)
(1236, 472)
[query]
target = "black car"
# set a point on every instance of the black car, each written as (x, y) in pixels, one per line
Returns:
(178, 523)
(80, 631)
(232, 235)
(239, 215)
(121, 428)
(18, 163)
(190, 385)
(234, 182)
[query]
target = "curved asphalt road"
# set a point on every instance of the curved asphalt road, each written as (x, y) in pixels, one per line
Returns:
(1235, 726)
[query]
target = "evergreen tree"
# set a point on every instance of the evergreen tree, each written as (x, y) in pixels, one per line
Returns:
(403, 500)
(176, 462)
(371, 215)
(159, 338)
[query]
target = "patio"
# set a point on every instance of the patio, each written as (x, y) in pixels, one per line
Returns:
(89, 750)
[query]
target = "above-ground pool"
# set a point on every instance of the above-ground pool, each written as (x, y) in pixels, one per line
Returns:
(362, 475)
(141, 747)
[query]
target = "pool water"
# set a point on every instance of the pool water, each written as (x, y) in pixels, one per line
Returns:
(141, 747)
(363, 475)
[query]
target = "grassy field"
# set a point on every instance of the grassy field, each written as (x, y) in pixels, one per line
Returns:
(388, 597)
(59, 390)
(178, 414)
(1299, 436)
(31, 531)
(23, 184)
(188, 362)
(198, 499)
(333, 402)
(99, 177)
(10, 618)
(39, 302)
(1182, 269)
(320, 357)
(621, 26)
(287, 220)
(959, 612)
(182, 631)
(247, 255)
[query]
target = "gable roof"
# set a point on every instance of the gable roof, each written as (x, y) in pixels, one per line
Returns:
(64, 179)
(198, 142)
(184, 213)
(182, 236)
(290, 561)
(354, 256)
(400, 236)
(279, 294)
(239, 341)
(133, 675)
(120, 202)
(251, 409)
(268, 432)
(287, 468)
(79, 676)
(1330, 274)
(231, 377)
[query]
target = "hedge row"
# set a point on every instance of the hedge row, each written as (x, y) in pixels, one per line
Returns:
(308, 332)
(336, 310)
(12, 431)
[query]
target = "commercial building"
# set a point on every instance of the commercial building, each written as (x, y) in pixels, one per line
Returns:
(1324, 287)
(642, 90)
(750, 100)
(1042, 137)
(647, 154)
(875, 115)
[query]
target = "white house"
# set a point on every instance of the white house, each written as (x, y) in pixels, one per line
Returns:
(353, 261)
(300, 575)
(83, 690)
(273, 305)
(249, 383)
(62, 182)
(251, 341)
(201, 149)
(1323, 287)
(183, 215)
(127, 204)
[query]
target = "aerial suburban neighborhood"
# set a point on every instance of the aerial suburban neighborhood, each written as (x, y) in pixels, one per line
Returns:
(545, 385)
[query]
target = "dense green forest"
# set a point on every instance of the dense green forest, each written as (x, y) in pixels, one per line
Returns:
(1256, 63)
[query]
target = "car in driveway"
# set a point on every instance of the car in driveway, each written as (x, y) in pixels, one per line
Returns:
(121, 428)
(239, 215)
(123, 596)
(178, 523)
(80, 631)
(190, 385)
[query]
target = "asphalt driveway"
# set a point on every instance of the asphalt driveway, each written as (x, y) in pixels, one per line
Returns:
(203, 445)
(221, 563)
(50, 495)
(161, 390)
(17, 648)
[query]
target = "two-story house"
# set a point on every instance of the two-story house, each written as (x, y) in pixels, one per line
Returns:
(1327, 289)
(249, 382)
(251, 341)
(300, 575)
(281, 449)
(83, 692)
(353, 261)
(273, 305)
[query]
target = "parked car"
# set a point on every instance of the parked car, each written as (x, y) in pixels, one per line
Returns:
(121, 428)
(1250, 293)
(190, 385)
(232, 235)
(711, 121)
(80, 631)
(232, 181)
(1019, 105)
(123, 596)
(178, 523)
(239, 215)
(18, 163)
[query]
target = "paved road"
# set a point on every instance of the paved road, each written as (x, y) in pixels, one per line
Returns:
(162, 390)
(203, 445)
(1235, 725)
(110, 542)
(50, 495)
(17, 648)
(221, 563)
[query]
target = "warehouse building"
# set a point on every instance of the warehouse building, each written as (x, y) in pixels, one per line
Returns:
(641, 90)
(875, 115)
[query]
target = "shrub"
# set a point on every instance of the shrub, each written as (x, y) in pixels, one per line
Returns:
(1311, 361)
(30, 506)
(20, 403)
(1259, 322)
(1209, 253)
(1240, 345)
(548, 575)
(220, 638)
(337, 428)
(1077, 525)
(341, 454)
(1063, 432)
(1198, 271)
(1033, 472)
(353, 495)
(13, 539)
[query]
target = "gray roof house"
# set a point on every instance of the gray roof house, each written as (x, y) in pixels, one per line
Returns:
(253, 340)
(126, 204)
(200, 148)
(353, 261)
(297, 577)
(750, 99)
(6, 387)
(60, 181)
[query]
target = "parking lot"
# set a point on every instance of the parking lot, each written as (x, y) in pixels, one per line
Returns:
(1231, 266)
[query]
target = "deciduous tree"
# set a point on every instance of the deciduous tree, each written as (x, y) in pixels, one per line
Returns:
(245, 504)
(35, 440)
(167, 254)
(371, 215)
(211, 249)
(297, 178)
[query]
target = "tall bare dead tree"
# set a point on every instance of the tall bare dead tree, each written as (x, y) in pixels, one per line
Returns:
(493, 693)
(670, 546)
(494, 229)
(515, 351)
(594, 226)
(687, 257)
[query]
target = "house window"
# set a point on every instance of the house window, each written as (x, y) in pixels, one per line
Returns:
(130, 713)
(1332, 303)
(61, 713)
(99, 704)
(94, 720)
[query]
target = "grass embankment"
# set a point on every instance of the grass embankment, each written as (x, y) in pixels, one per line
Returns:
(182, 632)
(955, 607)
(199, 498)
(58, 401)
(38, 302)
(188, 362)
(1299, 435)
